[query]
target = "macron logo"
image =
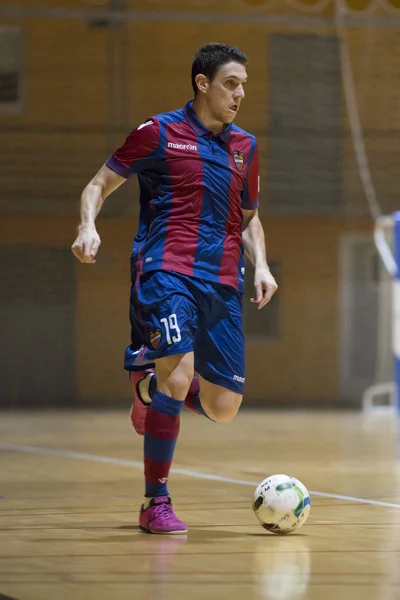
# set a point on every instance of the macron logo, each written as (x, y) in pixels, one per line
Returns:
(182, 146)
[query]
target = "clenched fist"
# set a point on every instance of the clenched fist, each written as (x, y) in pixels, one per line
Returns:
(86, 244)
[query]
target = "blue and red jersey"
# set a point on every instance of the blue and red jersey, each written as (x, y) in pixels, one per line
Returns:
(193, 185)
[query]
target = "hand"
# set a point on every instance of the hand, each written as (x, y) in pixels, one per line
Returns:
(265, 286)
(86, 244)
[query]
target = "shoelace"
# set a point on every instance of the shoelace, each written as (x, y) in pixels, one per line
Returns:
(164, 510)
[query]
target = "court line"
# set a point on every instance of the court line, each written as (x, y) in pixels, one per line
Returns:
(139, 465)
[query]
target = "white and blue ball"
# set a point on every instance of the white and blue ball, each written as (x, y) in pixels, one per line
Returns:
(281, 503)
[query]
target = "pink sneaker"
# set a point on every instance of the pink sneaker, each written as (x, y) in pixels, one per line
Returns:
(159, 517)
(139, 408)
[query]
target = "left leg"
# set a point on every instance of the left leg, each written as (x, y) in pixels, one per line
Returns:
(219, 404)
(220, 357)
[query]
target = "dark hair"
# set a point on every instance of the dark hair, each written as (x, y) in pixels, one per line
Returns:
(210, 58)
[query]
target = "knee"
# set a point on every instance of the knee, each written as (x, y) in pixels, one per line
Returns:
(177, 384)
(223, 409)
(174, 375)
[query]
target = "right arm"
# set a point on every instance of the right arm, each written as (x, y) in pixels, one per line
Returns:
(93, 196)
(138, 153)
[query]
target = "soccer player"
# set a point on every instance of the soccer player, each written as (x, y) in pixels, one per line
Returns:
(199, 184)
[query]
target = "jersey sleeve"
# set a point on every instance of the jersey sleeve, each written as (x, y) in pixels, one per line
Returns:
(251, 187)
(138, 152)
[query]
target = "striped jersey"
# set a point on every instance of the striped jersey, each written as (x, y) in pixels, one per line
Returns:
(193, 185)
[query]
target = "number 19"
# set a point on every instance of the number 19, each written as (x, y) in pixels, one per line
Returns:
(171, 324)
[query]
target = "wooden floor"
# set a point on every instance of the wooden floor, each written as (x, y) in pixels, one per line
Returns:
(71, 486)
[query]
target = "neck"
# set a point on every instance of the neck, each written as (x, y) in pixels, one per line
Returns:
(202, 112)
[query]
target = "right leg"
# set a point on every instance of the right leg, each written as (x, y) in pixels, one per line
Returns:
(168, 312)
(174, 374)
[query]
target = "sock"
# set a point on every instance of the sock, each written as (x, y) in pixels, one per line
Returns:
(161, 432)
(192, 400)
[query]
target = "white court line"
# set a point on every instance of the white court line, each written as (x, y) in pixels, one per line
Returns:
(139, 465)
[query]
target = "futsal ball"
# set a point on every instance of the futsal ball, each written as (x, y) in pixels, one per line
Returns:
(281, 503)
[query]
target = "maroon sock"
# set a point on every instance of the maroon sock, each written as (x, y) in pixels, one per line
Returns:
(161, 432)
(191, 400)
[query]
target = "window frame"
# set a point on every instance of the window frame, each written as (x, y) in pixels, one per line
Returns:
(16, 107)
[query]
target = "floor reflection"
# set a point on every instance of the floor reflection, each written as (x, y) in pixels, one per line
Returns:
(164, 552)
(282, 569)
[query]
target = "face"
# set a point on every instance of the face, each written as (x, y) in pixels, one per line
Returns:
(224, 94)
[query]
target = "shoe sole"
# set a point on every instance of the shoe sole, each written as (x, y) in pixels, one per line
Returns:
(178, 532)
(140, 427)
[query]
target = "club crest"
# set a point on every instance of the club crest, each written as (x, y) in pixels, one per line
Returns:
(155, 338)
(238, 157)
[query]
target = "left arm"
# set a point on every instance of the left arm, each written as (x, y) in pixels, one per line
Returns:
(253, 233)
(254, 247)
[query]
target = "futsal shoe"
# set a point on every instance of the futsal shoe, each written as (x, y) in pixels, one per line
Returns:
(159, 517)
(142, 400)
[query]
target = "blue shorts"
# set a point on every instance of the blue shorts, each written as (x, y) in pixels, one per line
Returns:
(174, 314)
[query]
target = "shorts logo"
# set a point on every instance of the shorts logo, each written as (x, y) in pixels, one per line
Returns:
(238, 157)
(163, 479)
(155, 338)
(240, 379)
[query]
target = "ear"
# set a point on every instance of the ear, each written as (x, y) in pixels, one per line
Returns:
(202, 83)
